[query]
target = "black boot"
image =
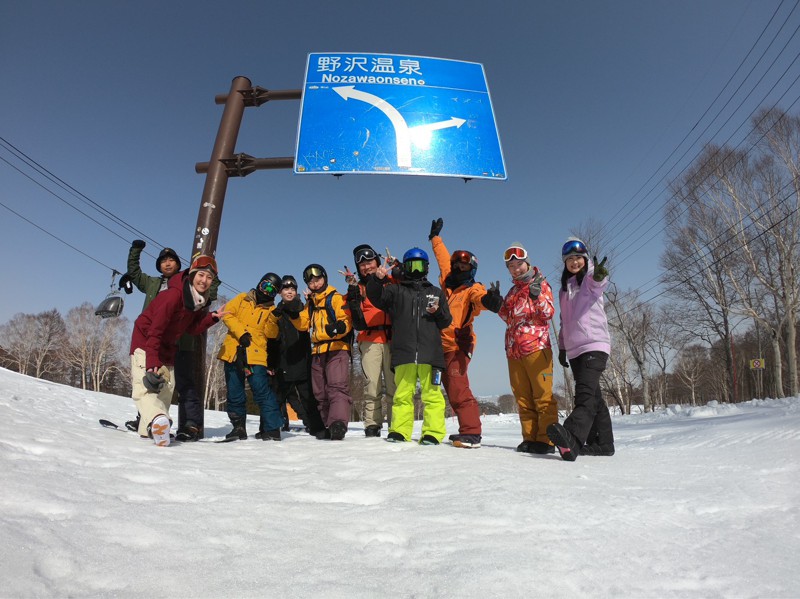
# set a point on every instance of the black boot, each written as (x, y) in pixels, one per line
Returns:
(239, 428)
(133, 425)
(273, 435)
(189, 432)
(373, 430)
(338, 430)
(566, 443)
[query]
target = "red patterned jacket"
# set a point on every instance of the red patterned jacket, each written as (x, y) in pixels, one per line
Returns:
(527, 320)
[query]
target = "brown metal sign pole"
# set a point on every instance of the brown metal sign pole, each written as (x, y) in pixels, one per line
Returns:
(210, 214)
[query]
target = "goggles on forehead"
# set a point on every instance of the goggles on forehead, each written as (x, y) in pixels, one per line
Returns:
(289, 283)
(414, 266)
(204, 262)
(268, 287)
(366, 255)
(574, 246)
(515, 253)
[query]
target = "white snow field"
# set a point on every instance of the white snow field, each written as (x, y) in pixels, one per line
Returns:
(698, 502)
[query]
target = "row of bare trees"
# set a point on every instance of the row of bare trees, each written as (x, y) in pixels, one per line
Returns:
(732, 238)
(81, 349)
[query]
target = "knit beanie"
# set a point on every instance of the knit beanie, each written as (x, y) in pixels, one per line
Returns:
(167, 253)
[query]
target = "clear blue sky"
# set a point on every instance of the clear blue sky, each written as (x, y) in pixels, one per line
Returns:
(590, 98)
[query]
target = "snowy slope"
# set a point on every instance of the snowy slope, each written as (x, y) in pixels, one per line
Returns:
(697, 503)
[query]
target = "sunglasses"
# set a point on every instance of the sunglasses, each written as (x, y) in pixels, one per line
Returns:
(267, 287)
(366, 255)
(515, 253)
(202, 262)
(574, 247)
(414, 266)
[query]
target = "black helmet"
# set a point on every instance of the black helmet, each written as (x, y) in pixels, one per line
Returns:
(365, 252)
(314, 270)
(167, 253)
(288, 281)
(269, 285)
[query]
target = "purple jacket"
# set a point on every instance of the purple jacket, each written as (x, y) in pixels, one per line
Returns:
(584, 326)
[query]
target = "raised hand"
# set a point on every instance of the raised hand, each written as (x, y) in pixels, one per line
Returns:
(535, 286)
(493, 300)
(436, 228)
(600, 270)
(349, 276)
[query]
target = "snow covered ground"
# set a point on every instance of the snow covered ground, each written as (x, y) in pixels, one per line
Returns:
(697, 502)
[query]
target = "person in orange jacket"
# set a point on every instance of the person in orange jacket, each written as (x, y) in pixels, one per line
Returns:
(466, 299)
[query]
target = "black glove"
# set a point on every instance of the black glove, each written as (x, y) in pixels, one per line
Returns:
(278, 311)
(126, 284)
(600, 270)
(493, 300)
(335, 328)
(153, 381)
(138, 244)
(464, 342)
(436, 227)
(353, 293)
(562, 358)
(245, 340)
(535, 286)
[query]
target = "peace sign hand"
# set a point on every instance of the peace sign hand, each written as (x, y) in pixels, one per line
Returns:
(600, 270)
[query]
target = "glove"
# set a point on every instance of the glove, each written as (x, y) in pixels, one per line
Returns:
(245, 340)
(154, 381)
(562, 358)
(600, 270)
(138, 244)
(535, 286)
(126, 284)
(335, 328)
(292, 308)
(436, 227)
(493, 300)
(277, 312)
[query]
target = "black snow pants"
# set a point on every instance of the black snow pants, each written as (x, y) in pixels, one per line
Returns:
(590, 421)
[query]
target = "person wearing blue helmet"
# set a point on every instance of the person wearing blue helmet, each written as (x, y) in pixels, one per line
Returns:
(419, 314)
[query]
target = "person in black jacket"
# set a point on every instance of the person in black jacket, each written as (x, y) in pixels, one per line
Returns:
(419, 312)
(289, 357)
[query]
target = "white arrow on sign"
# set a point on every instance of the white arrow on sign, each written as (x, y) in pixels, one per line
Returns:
(451, 122)
(400, 126)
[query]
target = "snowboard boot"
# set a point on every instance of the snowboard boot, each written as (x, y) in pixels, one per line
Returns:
(239, 431)
(338, 430)
(566, 443)
(466, 441)
(428, 440)
(159, 430)
(604, 449)
(541, 448)
(188, 433)
(323, 435)
(373, 430)
(273, 435)
(395, 438)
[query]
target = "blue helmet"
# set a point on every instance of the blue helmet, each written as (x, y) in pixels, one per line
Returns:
(415, 263)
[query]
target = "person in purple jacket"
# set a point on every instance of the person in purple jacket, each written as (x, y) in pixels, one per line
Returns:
(584, 344)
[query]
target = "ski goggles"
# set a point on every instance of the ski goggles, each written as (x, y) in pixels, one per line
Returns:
(268, 287)
(312, 272)
(515, 253)
(287, 282)
(574, 246)
(412, 266)
(365, 255)
(464, 257)
(205, 263)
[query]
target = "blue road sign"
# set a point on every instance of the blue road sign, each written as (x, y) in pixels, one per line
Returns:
(397, 114)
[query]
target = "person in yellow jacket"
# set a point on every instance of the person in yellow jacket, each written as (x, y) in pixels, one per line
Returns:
(250, 321)
(466, 299)
(330, 325)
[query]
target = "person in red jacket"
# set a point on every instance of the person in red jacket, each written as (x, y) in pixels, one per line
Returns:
(181, 308)
(527, 310)
(374, 335)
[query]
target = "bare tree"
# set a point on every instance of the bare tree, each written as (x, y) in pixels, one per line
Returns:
(96, 347)
(32, 343)
(692, 362)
